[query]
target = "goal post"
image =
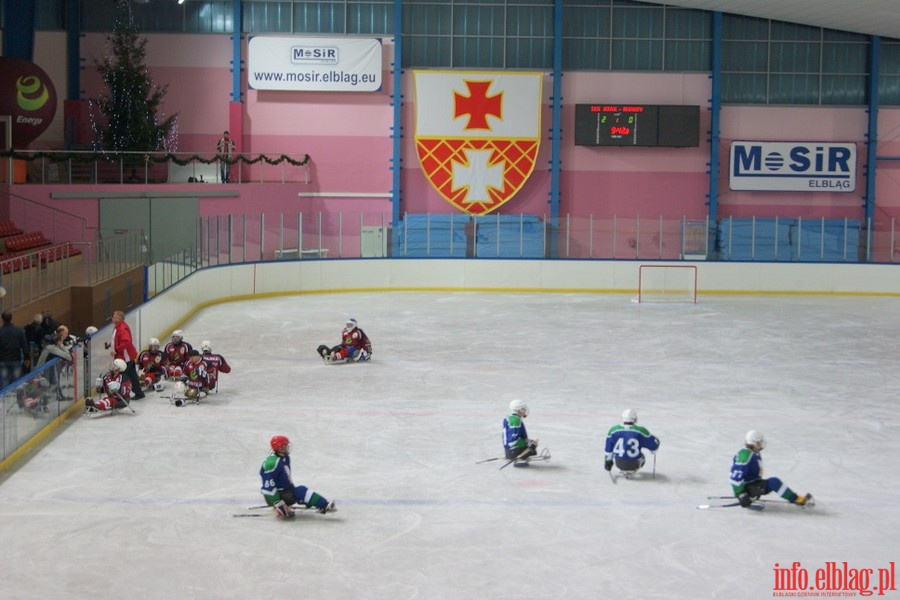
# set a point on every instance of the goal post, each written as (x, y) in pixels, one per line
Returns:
(667, 283)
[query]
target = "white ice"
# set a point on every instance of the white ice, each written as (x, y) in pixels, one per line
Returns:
(141, 506)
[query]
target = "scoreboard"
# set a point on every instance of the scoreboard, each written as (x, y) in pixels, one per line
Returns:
(637, 125)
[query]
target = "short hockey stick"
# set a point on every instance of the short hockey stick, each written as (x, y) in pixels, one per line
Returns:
(512, 460)
(127, 403)
(488, 460)
(728, 505)
(295, 507)
(763, 500)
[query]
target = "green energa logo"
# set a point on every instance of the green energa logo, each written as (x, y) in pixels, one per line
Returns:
(31, 93)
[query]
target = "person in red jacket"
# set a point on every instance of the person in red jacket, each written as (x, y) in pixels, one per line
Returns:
(123, 347)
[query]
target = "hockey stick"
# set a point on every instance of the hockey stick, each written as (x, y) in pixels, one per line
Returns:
(763, 500)
(611, 476)
(653, 475)
(295, 507)
(512, 460)
(488, 460)
(728, 505)
(127, 403)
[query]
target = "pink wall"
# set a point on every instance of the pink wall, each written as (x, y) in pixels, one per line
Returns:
(347, 136)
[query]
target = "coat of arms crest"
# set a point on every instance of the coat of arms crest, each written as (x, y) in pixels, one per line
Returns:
(477, 134)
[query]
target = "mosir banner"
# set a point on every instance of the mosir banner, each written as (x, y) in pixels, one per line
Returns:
(793, 166)
(314, 64)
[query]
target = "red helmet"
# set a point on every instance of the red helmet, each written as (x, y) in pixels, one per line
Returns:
(280, 444)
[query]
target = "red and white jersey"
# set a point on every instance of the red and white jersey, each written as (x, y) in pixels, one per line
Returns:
(177, 354)
(215, 364)
(151, 361)
(124, 384)
(356, 338)
(196, 374)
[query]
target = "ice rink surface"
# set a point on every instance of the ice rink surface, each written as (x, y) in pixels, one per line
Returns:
(140, 506)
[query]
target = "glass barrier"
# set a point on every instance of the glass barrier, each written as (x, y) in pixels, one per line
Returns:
(32, 401)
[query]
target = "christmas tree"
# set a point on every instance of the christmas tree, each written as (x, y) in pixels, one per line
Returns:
(125, 117)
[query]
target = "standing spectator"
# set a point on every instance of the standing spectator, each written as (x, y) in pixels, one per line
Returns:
(60, 344)
(34, 335)
(224, 149)
(13, 351)
(49, 325)
(123, 348)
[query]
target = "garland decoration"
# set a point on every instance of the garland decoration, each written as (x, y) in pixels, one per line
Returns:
(112, 157)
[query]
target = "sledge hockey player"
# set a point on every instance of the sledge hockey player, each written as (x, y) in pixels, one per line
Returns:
(110, 398)
(215, 364)
(194, 376)
(355, 345)
(176, 354)
(625, 444)
(278, 488)
(34, 396)
(116, 374)
(516, 443)
(150, 363)
(747, 481)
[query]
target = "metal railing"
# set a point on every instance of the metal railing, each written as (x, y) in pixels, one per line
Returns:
(89, 167)
(31, 275)
(235, 239)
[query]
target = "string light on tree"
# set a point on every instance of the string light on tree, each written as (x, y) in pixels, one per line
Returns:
(128, 116)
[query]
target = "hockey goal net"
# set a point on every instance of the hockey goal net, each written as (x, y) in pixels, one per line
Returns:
(667, 283)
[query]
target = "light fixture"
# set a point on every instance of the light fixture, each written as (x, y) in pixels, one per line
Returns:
(180, 1)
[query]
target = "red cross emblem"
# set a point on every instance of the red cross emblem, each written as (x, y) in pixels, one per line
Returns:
(477, 134)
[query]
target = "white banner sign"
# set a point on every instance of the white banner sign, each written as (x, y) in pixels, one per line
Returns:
(314, 64)
(793, 166)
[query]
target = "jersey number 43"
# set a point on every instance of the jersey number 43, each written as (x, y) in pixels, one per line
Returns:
(627, 448)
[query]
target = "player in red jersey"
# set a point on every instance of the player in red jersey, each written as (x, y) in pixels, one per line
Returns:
(194, 375)
(355, 345)
(176, 352)
(215, 364)
(150, 363)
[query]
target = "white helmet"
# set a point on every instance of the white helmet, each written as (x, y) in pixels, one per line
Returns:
(517, 406)
(178, 334)
(629, 416)
(91, 330)
(119, 365)
(205, 346)
(154, 342)
(351, 323)
(113, 387)
(179, 387)
(756, 439)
